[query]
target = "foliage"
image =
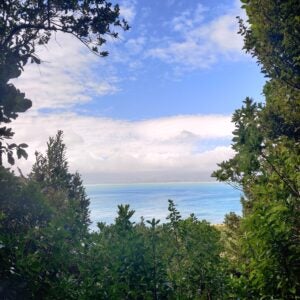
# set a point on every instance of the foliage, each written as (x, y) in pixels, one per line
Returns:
(135, 261)
(195, 266)
(272, 35)
(52, 173)
(266, 166)
(43, 223)
(267, 159)
(22, 208)
(230, 238)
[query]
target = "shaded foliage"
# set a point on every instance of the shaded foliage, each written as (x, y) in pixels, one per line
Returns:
(135, 261)
(51, 171)
(272, 36)
(267, 159)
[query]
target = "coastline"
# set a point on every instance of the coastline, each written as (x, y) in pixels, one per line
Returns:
(154, 183)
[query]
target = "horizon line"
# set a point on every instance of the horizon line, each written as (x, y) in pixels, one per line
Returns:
(155, 182)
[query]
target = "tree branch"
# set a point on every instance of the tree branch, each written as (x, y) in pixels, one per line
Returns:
(294, 191)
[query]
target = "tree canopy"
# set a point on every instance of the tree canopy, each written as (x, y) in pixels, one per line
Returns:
(266, 163)
(272, 35)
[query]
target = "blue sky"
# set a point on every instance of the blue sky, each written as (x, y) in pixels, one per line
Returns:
(158, 108)
(152, 86)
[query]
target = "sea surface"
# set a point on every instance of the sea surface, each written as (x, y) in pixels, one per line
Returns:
(209, 201)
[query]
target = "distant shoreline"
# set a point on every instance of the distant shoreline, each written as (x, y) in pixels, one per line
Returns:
(155, 183)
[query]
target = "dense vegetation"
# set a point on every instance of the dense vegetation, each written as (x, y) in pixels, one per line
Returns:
(267, 160)
(46, 249)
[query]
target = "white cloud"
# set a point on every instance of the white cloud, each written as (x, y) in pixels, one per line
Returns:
(197, 44)
(188, 19)
(173, 148)
(127, 11)
(135, 46)
(223, 33)
(67, 75)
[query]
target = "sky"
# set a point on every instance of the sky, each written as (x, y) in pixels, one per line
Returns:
(158, 108)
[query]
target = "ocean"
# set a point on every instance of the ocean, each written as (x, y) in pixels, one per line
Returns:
(209, 201)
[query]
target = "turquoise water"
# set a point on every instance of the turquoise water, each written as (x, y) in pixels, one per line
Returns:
(210, 201)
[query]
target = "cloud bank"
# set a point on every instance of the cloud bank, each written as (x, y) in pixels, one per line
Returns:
(179, 148)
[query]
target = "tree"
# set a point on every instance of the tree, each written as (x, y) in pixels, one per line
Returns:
(43, 228)
(156, 270)
(190, 250)
(266, 167)
(273, 37)
(118, 266)
(267, 159)
(52, 173)
(22, 207)
(24, 25)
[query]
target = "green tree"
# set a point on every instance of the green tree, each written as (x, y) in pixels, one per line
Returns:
(26, 24)
(118, 265)
(43, 229)
(22, 207)
(272, 36)
(267, 170)
(52, 173)
(267, 159)
(157, 271)
(191, 250)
